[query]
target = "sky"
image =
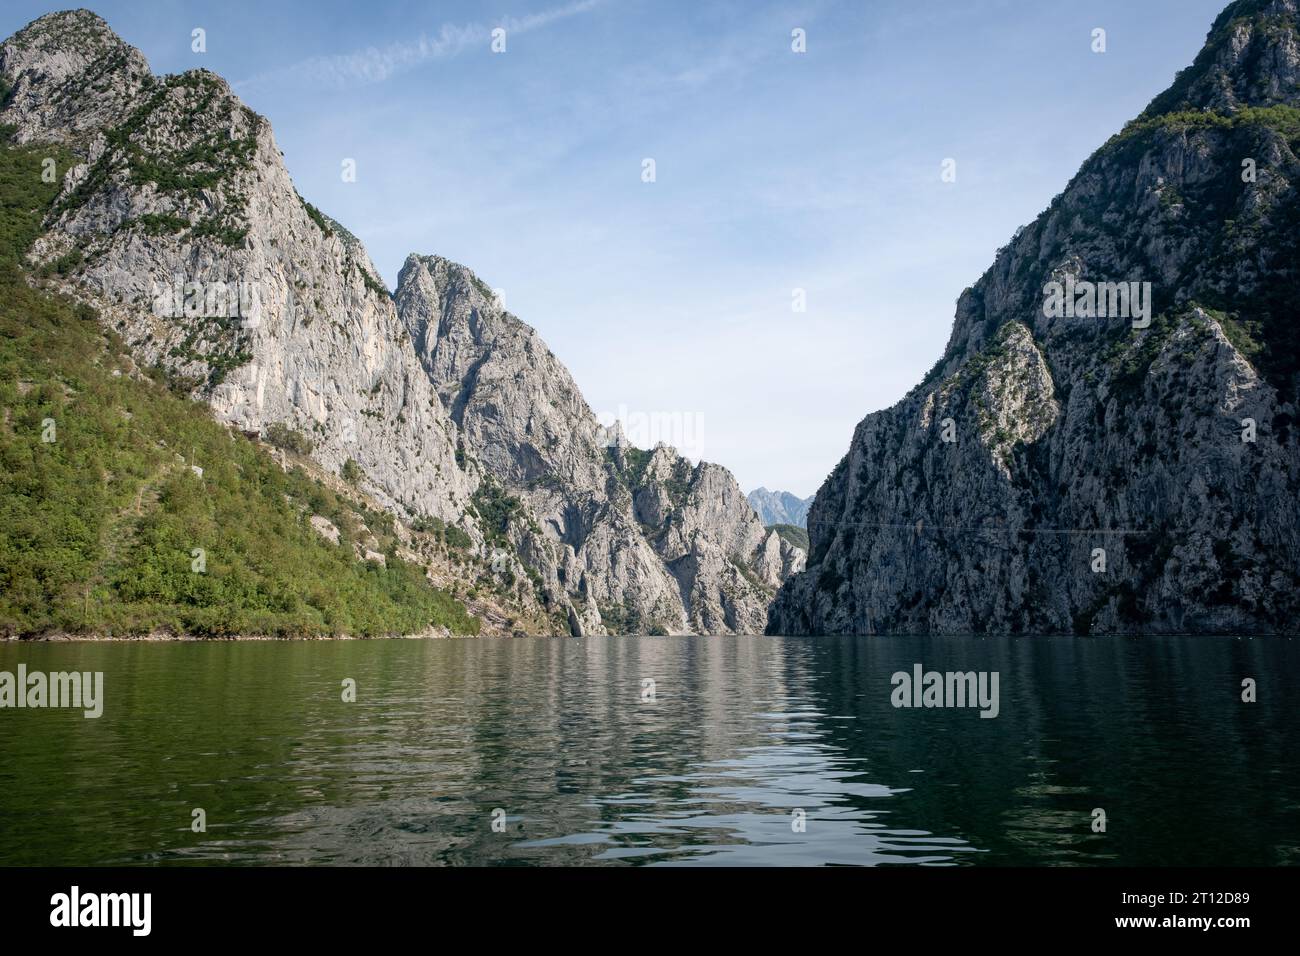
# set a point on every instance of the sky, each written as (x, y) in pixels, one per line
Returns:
(781, 179)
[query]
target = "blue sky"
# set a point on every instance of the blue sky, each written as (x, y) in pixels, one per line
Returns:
(774, 171)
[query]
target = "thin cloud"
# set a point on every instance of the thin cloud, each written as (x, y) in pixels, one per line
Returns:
(375, 64)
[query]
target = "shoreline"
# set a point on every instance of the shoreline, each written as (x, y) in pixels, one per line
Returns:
(166, 637)
(438, 634)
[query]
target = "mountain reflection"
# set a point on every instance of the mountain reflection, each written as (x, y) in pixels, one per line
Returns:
(743, 751)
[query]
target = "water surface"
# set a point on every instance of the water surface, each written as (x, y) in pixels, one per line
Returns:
(742, 733)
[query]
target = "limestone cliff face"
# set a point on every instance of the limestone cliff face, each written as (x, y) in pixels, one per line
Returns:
(636, 539)
(178, 220)
(1075, 472)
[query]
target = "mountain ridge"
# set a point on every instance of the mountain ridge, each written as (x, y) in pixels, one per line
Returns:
(180, 223)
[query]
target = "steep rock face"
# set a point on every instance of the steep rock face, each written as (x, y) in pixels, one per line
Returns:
(182, 224)
(1065, 472)
(636, 539)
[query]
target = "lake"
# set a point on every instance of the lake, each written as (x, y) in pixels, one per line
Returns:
(743, 751)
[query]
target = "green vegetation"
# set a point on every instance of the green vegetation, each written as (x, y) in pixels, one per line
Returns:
(1282, 118)
(678, 483)
(794, 534)
(496, 510)
(209, 159)
(448, 534)
(1131, 356)
(219, 342)
(317, 217)
(78, 26)
(24, 197)
(635, 461)
(374, 285)
(343, 232)
(65, 264)
(160, 224)
(1243, 334)
(290, 439)
(351, 472)
(105, 527)
(746, 572)
(220, 228)
(457, 538)
(623, 619)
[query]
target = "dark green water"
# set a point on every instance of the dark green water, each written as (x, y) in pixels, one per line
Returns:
(742, 732)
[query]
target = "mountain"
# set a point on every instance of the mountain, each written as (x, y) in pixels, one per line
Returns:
(126, 509)
(641, 538)
(779, 507)
(177, 221)
(1092, 458)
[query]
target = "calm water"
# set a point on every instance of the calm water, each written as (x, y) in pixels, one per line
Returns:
(742, 732)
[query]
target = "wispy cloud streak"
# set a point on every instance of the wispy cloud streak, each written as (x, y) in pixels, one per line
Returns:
(376, 64)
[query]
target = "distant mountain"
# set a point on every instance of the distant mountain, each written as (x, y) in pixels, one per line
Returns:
(1108, 444)
(779, 507)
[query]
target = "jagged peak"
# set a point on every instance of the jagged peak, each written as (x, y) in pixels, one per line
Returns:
(1251, 58)
(64, 27)
(68, 75)
(448, 277)
(456, 290)
(62, 44)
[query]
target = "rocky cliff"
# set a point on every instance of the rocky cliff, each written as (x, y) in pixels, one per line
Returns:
(178, 220)
(642, 540)
(1108, 442)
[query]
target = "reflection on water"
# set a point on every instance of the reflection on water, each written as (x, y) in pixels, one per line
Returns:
(753, 751)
